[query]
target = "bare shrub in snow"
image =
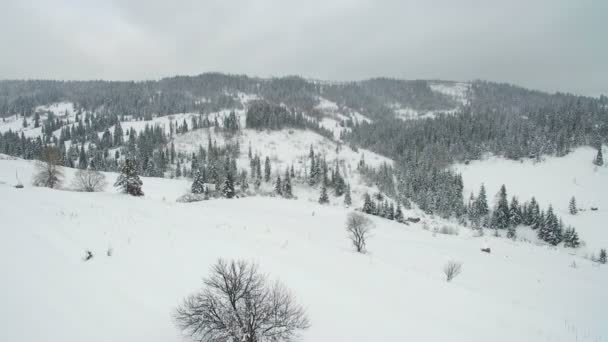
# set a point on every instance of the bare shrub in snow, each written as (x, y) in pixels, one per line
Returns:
(451, 269)
(189, 198)
(238, 303)
(358, 227)
(89, 181)
(447, 230)
(48, 170)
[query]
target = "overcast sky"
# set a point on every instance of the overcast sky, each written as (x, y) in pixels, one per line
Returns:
(554, 45)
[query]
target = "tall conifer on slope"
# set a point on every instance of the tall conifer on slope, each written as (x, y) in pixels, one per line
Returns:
(500, 216)
(228, 186)
(198, 184)
(287, 190)
(481, 203)
(347, 199)
(572, 206)
(267, 170)
(599, 158)
(278, 187)
(323, 198)
(515, 213)
(128, 180)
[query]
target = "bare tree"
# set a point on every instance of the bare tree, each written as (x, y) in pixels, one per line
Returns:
(48, 170)
(89, 181)
(452, 269)
(358, 227)
(239, 304)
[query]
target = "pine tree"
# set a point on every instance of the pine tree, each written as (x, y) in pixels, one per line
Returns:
(515, 213)
(481, 203)
(571, 238)
(178, 170)
(603, 258)
(287, 190)
(500, 216)
(244, 183)
(267, 170)
(511, 232)
(228, 186)
(599, 159)
(572, 206)
(347, 199)
(391, 212)
(399, 214)
(368, 205)
(128, 180)
(278, 187)
(312, 180)
(198, 184)
(323, 198)
(83, 162)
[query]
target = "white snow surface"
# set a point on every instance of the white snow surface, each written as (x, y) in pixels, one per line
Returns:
(552, 181)
(161, 250)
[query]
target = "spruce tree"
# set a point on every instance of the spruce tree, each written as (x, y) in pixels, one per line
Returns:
(178, 170)
(347, 199)
(198, 184)
(244, 183)
(368, 205)
(515, 213)
(599, 159)
(500, 216)
(128, 180)
(287, 190)
(278, 187)
(571, 238)
(603, 258)
(399, 214)
(323, 198)
(228, 186)
(481, 203)
(267, 170)
(572, 206)
(511, 232)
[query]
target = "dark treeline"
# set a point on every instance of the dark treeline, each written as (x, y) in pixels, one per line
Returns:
(265, 115)
(213, 91)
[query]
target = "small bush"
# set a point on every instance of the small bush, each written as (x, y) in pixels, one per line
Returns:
(451, 269)
(189, 198)
(89, 181)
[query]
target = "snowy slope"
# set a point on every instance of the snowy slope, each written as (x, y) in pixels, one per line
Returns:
(552, 181)
(162, 249)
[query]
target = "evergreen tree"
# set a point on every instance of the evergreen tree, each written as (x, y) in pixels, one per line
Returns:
(603, 258)
(83, 162)
(244, 183)
(599, 159)
(515, 213)
(198, 184)
(571, 238)
(511, 232)
(572, 206)
(267, 170)
(128, 180)
(399, 214)
(323, 198)
(391, 211)
(178, 170)
(481, 203)
(347, 199)
(278, 187)
(533, 215)
(287, 191)
(500, 216)
(228, 186)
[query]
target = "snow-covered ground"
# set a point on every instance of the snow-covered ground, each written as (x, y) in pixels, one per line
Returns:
(552, 181)
(64, 111)
(160, 250)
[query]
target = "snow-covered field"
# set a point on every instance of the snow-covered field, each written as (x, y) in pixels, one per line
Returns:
(552, 181)
(161, 249)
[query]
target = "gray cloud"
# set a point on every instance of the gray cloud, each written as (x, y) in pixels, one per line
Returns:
(554, 45)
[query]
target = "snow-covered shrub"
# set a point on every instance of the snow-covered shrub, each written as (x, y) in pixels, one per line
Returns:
(89, 181)
(188, 198)
(447, 230)
(451, 269)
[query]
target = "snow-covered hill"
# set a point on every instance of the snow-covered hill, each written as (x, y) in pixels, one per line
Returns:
(161, 249)
(552, 181)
